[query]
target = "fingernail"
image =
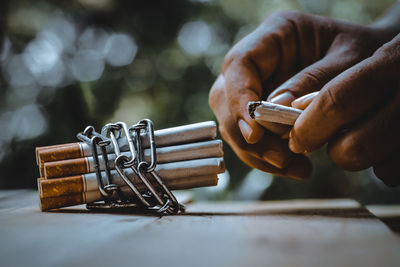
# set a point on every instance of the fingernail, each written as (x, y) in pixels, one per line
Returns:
(252, 134)
(246, 131)
(304, 101)
(285, 98)
(284, 87)
(293, 146)
(275, 158)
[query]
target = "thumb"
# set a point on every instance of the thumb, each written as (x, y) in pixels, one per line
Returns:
(311, 79)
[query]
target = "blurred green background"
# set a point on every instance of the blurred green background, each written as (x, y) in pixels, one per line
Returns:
(68, 64)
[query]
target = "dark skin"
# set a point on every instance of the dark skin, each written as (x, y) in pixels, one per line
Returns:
(360, 134)
(289, 58)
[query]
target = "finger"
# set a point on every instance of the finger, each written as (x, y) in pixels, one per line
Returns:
(271, 149)
(304, 101)
(271, 48)
(309, 80)
(268, 159)
(299, 169)
(388, 171)
(281, 130)
(370, 141)
(243, 84)
(313, 77)
(345, 99)
(281, 45)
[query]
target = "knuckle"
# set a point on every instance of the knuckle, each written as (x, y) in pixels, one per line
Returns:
(313, 77)
(239, 53)
(389, 55)
(214, 97)
(242, 50)
(352, 47)
(331, 105)
(229, 57)
(388, 51)
(309, 81)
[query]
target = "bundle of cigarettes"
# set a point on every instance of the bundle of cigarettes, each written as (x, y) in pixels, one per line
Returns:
(187, 156)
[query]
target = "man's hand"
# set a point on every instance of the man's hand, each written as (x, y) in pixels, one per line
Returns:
(358, 114)
(310, 50)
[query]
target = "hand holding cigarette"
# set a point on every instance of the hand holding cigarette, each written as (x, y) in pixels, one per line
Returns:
(299, 55)
(266, 112)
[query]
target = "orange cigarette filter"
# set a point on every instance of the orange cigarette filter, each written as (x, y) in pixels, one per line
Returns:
(78, 184)
(64, 168)
(41, 148)
(61, 201)
(60, 187)
(59, 152)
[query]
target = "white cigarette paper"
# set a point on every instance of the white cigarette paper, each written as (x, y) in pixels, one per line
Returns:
(170, 136)
(199, 150)
(179, 184)
(208, 149)
(168, 171)
(93, 193)
(263, 111)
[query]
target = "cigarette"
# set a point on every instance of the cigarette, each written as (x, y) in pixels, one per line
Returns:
(199, 150)
(166, 137)
(81, 197)
(263, 111)
(168, 171)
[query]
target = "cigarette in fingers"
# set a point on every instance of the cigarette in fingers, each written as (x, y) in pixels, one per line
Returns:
(263, 111)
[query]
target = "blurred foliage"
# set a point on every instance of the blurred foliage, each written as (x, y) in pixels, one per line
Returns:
(67, 64)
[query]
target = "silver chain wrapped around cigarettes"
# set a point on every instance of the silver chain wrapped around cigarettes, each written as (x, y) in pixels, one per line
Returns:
(105, 169)
(113, 138)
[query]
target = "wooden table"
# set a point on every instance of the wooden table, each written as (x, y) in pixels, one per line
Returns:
(281, 233)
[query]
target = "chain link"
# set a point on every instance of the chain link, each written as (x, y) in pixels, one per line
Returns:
(157, 197)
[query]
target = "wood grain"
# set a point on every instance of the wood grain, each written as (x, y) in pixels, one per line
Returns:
(276, 233)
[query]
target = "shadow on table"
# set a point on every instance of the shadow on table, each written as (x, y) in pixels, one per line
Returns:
(393, 223)
(324, 212)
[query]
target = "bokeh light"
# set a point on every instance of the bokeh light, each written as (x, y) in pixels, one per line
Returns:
(69, 64)
(195, 37)
(120, 50)
(87, 65)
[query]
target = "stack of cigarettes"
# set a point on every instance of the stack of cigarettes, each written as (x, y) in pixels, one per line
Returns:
(188, 156)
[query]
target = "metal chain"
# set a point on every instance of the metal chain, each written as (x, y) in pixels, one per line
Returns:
(160, 200)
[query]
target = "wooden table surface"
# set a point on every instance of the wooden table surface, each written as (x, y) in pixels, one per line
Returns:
(277, 233)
